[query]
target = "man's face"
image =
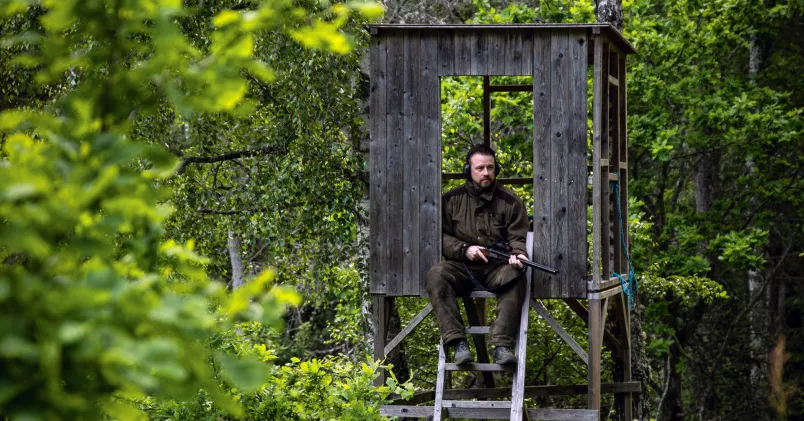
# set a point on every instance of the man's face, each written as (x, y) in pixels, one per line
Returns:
(482, 169)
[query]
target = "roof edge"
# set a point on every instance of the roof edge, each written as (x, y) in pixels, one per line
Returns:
(607, 28)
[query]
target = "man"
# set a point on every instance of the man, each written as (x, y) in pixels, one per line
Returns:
(475, 216)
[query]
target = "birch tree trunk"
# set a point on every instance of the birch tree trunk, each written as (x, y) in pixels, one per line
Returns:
(233, 246)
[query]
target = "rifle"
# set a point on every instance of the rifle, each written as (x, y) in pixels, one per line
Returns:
(500, 251)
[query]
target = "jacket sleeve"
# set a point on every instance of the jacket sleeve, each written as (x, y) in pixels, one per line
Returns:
(452, 248)
(518, 229)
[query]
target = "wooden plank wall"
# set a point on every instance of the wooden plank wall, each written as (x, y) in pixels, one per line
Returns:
(405, 158)
(559, 162)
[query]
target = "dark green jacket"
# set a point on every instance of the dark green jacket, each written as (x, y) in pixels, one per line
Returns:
(470, 217)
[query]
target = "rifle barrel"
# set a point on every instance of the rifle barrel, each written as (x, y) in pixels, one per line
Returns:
(528, 263)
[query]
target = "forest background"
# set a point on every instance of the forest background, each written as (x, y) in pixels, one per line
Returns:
(174, 174)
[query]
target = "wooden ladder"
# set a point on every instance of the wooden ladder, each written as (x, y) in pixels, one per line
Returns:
(514, 409)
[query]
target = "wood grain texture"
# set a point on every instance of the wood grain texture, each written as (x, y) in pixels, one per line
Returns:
(380, 318)
(605, 149)
(597, 127)
(527, 53)
(593, 396)
(496, 46)
(463, 53)
(479, 52)
(560, 61)
(394, 149)
(410, 169)
(518, 393)
(577, 246)
(430, 160)
(378, 166)
(513, 53)
(446, 53)
(542, 219)
(440, 379)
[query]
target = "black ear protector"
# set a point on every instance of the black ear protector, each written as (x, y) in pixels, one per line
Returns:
(485, 150)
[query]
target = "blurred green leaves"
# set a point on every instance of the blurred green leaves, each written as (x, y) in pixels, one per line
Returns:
(97, 306)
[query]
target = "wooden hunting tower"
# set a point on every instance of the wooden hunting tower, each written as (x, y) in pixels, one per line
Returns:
(407, 62)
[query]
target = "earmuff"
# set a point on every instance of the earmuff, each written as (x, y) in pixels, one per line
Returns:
(467, 170)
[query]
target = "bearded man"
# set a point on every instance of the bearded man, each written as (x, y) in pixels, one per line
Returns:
(475, 216)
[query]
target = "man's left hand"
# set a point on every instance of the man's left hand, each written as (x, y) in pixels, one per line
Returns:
(515, 262)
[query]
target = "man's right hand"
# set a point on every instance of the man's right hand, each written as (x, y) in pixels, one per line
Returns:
(475, 254)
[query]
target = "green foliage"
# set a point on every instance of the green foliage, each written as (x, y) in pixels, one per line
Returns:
(332, 388)
(97, 307)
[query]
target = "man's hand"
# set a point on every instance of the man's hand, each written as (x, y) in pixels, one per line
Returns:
(475, 254)
(515, 262)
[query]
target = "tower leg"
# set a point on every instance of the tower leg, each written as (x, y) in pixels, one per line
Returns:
(595, 343)
(380, 313)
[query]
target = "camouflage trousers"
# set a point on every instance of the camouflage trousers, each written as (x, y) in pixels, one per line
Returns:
(448, 280)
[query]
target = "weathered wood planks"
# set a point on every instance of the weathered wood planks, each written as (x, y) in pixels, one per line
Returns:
(430, 159)
(378, 212)
(411, 183)
(405, 157)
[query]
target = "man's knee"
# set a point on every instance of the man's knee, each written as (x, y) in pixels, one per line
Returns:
(438, 277)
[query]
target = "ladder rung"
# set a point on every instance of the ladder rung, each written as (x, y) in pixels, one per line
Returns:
(477, 404)
(479, 367)
(478, 330)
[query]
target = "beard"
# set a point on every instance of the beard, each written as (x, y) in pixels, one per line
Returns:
(485, 183)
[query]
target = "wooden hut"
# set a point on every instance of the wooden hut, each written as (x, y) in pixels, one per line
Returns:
(407, 62)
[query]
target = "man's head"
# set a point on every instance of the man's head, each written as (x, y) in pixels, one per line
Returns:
(481, 166)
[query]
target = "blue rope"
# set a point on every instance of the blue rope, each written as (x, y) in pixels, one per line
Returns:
(629, 285)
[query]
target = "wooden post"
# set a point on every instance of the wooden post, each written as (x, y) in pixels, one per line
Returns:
(380, 310)
(487, 110)
(593, 397)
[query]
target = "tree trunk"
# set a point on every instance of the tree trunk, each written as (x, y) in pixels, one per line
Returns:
(640, 366)
(610, 11)
(704, 181)
(233, 246)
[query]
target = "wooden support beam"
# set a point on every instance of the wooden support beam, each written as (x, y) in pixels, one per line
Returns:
(511, 88)
(614, 81)
(486, 110)
(595, 328)
(546, 414)
(542, 311)
(530, 392)
(605, 294)
(414, 323)
(609, 339)
(380, 310)
(603, 285)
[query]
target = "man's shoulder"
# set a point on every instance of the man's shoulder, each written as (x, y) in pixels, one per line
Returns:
(457, 191)
(507, 195)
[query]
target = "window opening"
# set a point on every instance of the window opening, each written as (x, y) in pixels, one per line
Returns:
(497, 111)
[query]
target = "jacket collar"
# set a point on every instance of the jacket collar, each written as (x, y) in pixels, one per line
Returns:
(486, 194)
